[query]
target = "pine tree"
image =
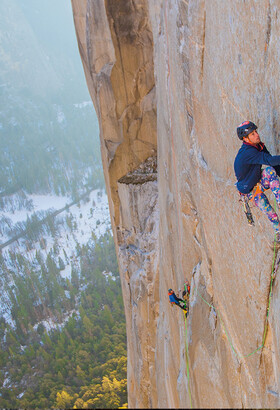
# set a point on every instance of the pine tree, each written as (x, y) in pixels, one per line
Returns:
(63, 400)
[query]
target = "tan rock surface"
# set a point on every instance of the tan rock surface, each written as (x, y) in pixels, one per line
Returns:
(139, 260)
(215, 64)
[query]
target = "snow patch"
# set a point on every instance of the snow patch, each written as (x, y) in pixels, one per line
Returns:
(50, 324)
(37, 203)
(109, 275)
(7, 381)
(66, 273)
(79, 225)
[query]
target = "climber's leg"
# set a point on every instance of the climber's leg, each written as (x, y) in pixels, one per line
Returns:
(261, 201)
(180, 300)
(180, 306)
(270, 180)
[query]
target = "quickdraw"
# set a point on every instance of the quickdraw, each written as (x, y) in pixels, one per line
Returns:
(245, 200)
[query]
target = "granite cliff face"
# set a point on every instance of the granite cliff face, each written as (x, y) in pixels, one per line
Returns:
(170, 81)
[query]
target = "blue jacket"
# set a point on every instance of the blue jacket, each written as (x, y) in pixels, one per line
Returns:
(248, 163)
(173, 298)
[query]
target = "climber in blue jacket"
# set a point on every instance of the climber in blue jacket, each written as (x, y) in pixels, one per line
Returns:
(252, 180)
(174, 300)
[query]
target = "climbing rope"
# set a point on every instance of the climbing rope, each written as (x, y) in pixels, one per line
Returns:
(187, 361)
(224, 96)
(177, 191)
(273, 272)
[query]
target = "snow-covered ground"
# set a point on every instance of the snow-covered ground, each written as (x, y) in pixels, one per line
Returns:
(39, 203)
(76, 226)
(91, 216)
(95, 212)
(50, 324)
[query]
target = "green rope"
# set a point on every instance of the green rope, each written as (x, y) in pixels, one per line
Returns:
(270, 290)
(227, 335)
(222, 323)
(267, 314)
(187, 350)
(271, 282)
(187, 362)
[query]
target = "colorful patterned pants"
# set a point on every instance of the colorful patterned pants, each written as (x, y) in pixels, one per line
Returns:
(269, 179)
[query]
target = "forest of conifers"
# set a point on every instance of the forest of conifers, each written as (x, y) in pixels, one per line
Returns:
(62, 325)
(83, 365)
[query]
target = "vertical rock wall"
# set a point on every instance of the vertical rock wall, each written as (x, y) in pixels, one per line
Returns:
(215, 64)
(138, 259)
(214, 71)
(116, 47)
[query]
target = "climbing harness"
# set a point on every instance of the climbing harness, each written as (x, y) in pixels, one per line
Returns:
(258, 189)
